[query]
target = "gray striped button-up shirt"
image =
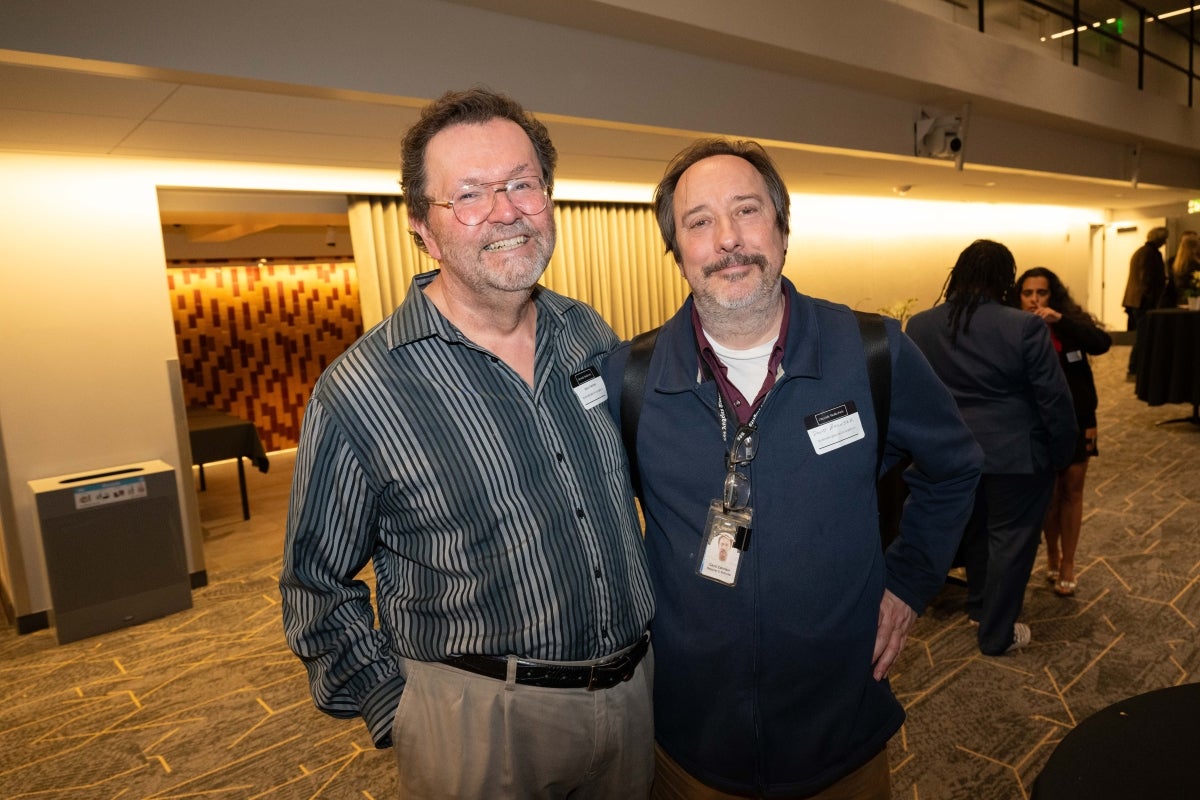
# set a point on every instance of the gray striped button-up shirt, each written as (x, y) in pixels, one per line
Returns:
(498, 517)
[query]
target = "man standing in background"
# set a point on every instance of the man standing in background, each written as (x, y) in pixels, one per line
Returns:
(1145, 286)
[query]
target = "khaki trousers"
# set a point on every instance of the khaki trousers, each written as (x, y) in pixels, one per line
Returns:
(871, 781)
(461, 736)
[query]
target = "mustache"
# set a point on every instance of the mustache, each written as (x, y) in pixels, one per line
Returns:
(739, 259)
(515, 228)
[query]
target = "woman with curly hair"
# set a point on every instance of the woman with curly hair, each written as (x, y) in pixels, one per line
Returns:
(1076, 335)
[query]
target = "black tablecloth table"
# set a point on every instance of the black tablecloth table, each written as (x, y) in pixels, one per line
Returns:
(1146, 746)
(1168, 364)
(217, 436)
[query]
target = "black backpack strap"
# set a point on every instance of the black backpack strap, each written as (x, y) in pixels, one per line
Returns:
(879, 371)
(633, 389)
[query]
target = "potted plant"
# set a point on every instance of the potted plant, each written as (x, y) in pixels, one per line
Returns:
(901, 310)
(1192, 292)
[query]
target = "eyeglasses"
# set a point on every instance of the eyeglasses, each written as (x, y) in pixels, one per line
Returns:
(741, 452)
(474, 203)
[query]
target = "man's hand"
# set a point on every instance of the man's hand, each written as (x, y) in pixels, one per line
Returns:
(895, 618)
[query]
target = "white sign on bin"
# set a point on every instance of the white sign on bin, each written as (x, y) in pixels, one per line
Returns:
(111, 492)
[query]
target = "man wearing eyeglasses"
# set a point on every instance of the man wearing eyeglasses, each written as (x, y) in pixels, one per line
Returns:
(757, 422)
(463, 448)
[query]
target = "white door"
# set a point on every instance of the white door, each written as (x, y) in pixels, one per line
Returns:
(1119, 241)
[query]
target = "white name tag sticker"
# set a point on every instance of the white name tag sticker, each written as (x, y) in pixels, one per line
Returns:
(835, 427)
(589, 388)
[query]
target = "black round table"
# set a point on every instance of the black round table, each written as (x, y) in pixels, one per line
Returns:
(1168, 364)
(1146, 746)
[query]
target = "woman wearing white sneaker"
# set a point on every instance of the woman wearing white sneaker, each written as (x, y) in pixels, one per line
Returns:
(1001, 367)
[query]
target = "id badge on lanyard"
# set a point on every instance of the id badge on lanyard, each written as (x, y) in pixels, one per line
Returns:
(726, 537)
(727, 529)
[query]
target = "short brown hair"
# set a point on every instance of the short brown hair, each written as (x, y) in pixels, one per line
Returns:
(664, 193)
(472, 106)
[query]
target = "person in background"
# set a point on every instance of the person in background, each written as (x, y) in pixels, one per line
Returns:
(1076, 335)
(1144, 287)
(1186, 263)
(1000, 365)
(462, 447)
(757, 422)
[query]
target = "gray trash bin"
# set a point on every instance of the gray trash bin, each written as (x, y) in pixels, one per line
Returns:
(113, 545)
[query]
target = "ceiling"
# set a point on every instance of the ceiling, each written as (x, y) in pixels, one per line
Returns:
(99, 109)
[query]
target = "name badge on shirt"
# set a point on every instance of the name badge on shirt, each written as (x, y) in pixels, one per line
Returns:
(588, 387)
(835, 427)
(1074, 355)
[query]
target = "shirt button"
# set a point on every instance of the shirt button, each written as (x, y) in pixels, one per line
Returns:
(579, 513)
(559, 456)
(597, 572)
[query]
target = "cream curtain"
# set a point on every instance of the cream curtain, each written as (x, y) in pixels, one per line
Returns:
(609, 255)
(385, 254)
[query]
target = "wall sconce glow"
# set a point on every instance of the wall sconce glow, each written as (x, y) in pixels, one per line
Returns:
(1194, 206)
(598, 191)
(893, 217)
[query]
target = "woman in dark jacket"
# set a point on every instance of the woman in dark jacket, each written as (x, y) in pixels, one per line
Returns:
(1076, 335)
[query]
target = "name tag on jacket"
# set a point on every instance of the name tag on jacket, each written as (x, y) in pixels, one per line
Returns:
(835, 427)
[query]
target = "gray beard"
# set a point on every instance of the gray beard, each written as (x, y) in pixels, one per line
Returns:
(744, 317)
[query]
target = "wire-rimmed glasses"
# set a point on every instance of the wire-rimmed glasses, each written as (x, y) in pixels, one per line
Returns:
(741, 452)
(473, 204)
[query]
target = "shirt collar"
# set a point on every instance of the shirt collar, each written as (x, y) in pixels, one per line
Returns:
(418, 318)
(712, 364)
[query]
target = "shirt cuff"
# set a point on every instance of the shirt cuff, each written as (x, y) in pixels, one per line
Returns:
(379, 710)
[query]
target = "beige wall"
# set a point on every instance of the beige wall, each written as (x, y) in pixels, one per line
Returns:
(871, 253)
(82, 346)
(86, 334)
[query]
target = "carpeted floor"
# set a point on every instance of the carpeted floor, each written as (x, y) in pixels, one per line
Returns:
(981, 728)
(206, 703)
(209, 703)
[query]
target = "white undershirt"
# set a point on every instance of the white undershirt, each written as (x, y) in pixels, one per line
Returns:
(747, 369)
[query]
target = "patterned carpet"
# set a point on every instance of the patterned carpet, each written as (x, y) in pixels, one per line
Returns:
(208, 703)
(981, 728)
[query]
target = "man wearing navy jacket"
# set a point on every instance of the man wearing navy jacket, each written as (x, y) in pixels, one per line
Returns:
(757, 423)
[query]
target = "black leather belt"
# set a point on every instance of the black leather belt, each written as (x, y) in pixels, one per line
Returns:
(604, 675)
